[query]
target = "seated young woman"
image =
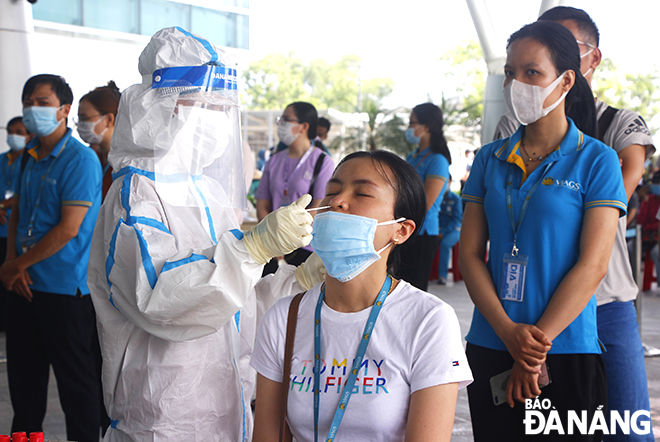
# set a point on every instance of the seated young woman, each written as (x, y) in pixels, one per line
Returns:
(407, 343)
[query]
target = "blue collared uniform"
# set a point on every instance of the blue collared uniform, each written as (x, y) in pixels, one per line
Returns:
(451, 214)
(583, 173)
(11, 172)
(69, 176)
(431, 165)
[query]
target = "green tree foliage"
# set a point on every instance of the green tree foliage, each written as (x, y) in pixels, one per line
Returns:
(385, 129)
(466, 75)
(278, 80)
(466, 72)
(638, 92)
(275, 81)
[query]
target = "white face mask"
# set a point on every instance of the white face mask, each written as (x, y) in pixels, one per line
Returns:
(200, 136)
(284, 133)
(591, 49)
(86, 131)
(590, 46)
(525, 101)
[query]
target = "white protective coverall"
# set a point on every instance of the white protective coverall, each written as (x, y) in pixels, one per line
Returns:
(173, 284)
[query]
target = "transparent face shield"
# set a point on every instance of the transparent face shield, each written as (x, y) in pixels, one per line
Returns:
(204, 164)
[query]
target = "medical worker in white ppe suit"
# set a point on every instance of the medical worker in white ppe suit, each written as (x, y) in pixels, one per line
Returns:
(172, 278)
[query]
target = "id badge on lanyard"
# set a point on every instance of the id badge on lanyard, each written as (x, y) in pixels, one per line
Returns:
(514, 270)
(514, 265)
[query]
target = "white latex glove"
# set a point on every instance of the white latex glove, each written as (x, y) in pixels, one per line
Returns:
(280, 232)
(310, 272)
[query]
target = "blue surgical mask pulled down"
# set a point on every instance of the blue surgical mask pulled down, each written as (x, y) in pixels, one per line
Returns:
(345, 243)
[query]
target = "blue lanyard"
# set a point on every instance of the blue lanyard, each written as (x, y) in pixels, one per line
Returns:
(105, 170)
(362, 349)
(416, 155)
(301, 162)
(523, 209)
(43, 183)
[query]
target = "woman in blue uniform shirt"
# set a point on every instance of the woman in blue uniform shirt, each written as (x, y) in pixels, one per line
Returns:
(17, 138)
(431, 160)
(548, 198)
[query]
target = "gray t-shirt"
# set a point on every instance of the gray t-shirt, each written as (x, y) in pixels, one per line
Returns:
(627, 128)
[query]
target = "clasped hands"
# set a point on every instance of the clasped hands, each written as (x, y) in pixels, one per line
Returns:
(15, 278)
(528, 346)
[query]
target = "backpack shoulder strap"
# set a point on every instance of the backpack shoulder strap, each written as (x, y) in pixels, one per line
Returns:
(24, 159)
(605, 121)
(317, 170)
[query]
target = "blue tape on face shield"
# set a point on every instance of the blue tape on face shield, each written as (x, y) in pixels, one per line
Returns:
(345, 243)
(194, 78)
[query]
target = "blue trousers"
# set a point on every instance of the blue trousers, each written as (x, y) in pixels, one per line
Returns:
(446, 244)
(627, 388)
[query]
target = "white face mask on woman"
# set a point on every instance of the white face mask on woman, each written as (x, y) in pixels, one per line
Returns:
(284, 132)
(525, 101)
(86, 131)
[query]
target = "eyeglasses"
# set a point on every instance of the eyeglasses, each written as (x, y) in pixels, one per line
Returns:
(284, 119)
(78, 120)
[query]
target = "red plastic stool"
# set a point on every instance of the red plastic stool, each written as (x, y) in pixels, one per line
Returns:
(648, 272)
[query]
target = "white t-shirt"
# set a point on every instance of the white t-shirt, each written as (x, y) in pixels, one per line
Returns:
(416, 344)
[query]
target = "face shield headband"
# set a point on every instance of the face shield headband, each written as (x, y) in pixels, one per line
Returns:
(201, 141)
(187, 79)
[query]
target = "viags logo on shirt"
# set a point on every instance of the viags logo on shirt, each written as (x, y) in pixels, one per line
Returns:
(568, 184)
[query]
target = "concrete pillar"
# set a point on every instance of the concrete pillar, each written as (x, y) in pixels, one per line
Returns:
(16, 29)
(495, 56)
(549, 4)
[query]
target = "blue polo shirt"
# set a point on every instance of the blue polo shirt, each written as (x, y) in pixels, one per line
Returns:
(69, 176)
(431, 165)
(10, 172)
(584, 173)
(451, 213)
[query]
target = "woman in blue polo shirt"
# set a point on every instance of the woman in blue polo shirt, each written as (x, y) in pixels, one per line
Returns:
(548, 198)
(431, 160)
